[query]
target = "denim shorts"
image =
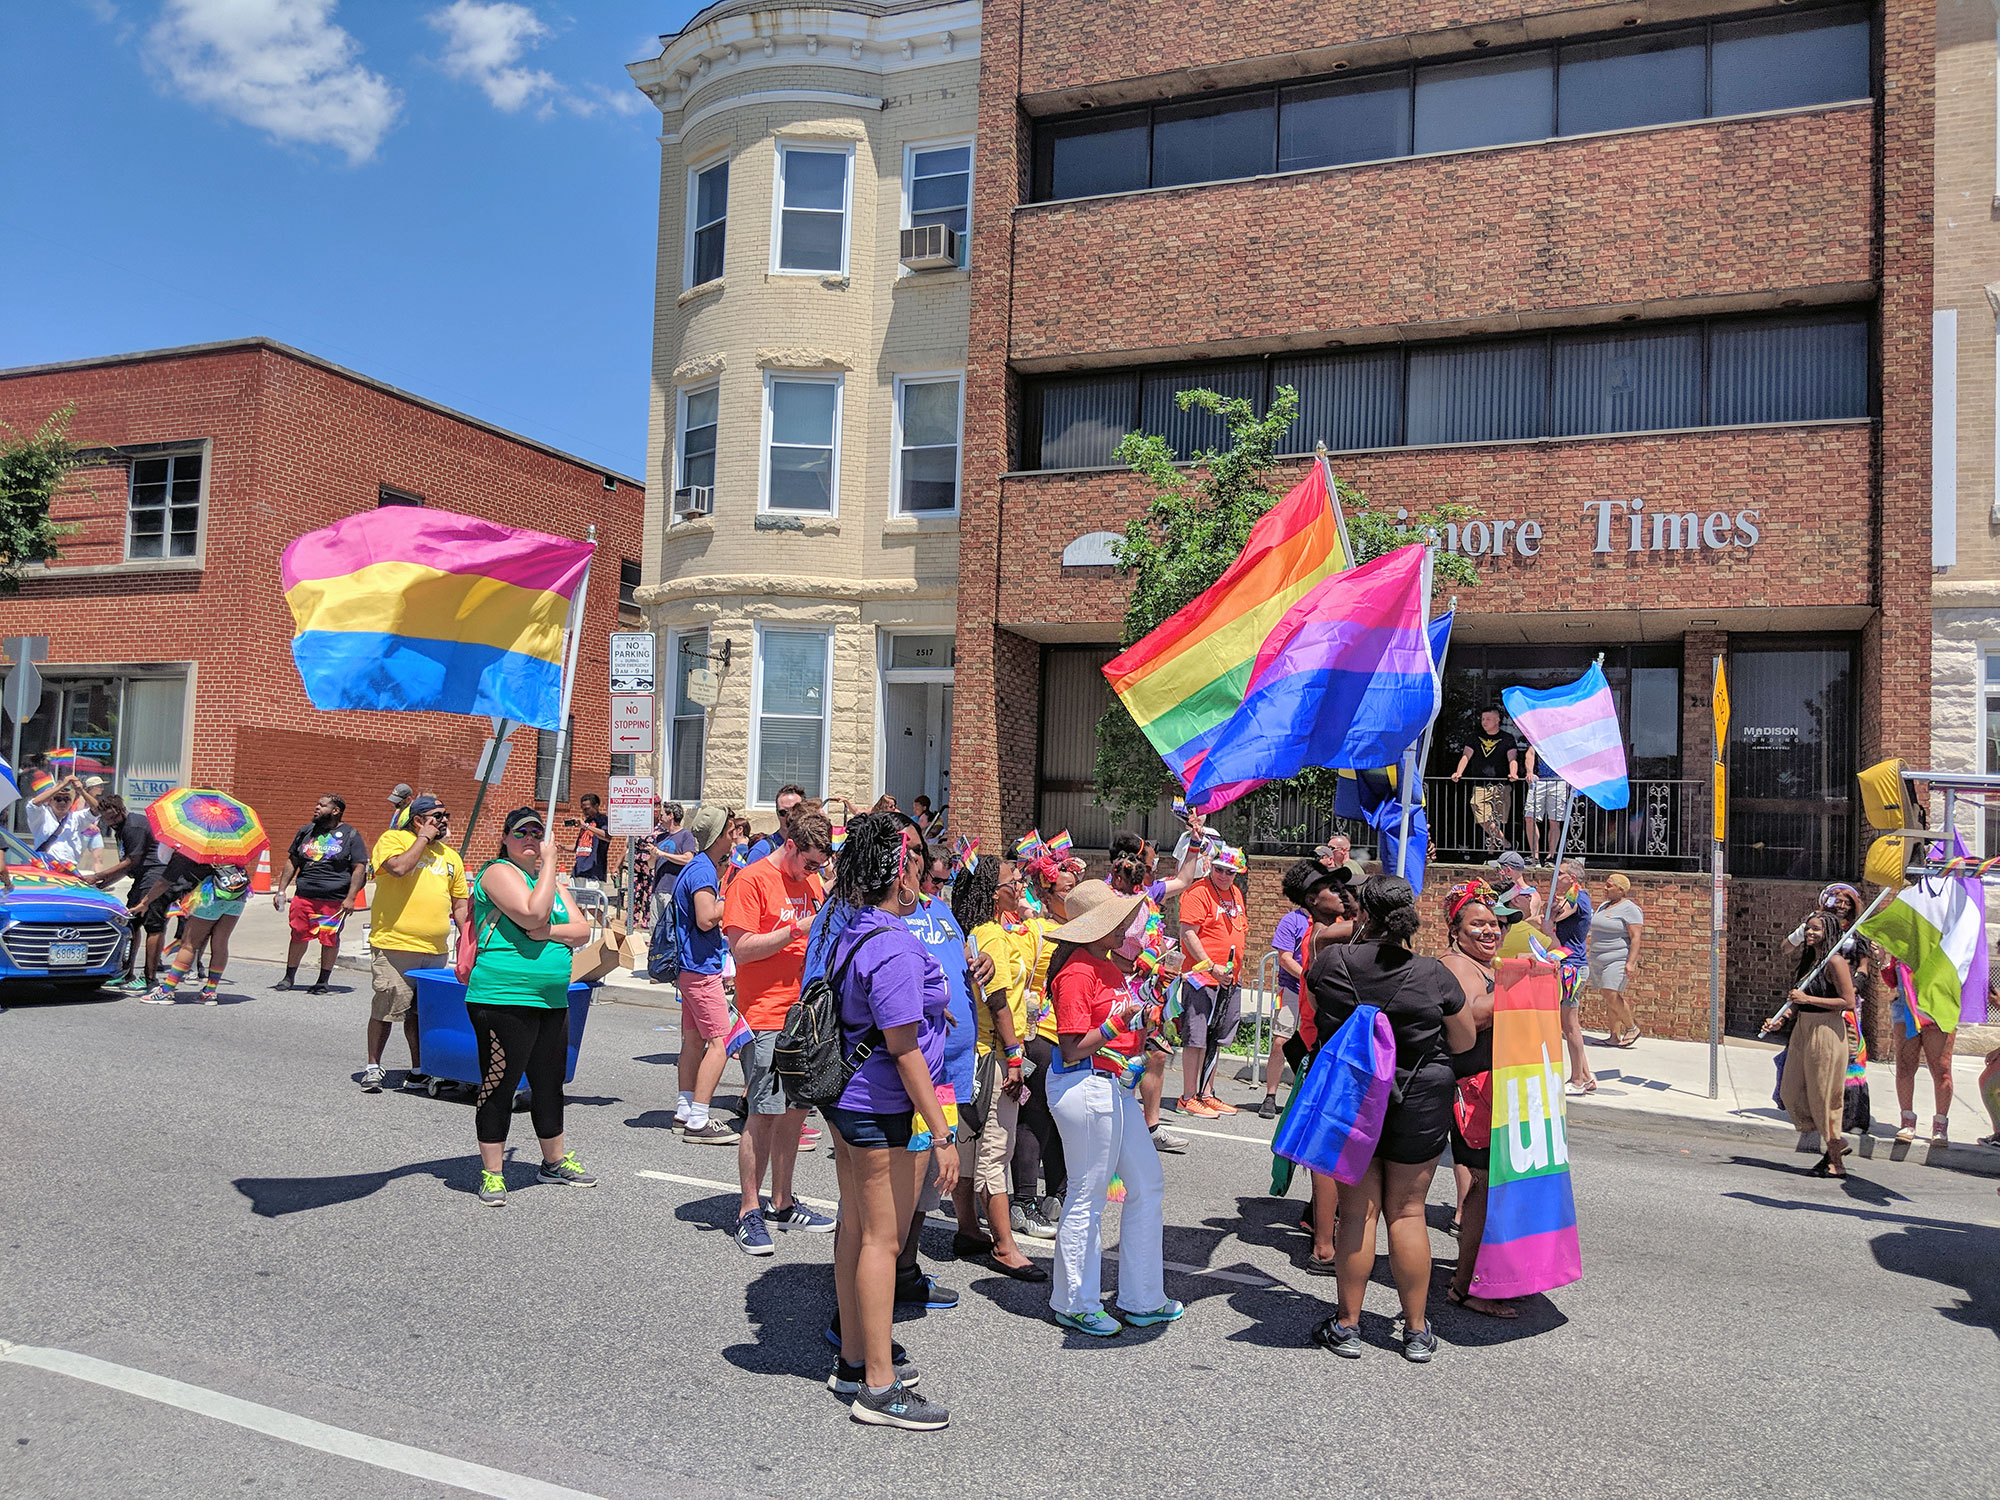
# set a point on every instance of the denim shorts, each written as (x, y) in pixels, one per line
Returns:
(868, 1131)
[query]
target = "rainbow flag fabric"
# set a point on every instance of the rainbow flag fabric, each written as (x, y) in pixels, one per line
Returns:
(427, 609)
(1333, 1121)
(1345, 679)
(1530, 1243)
(1575, 730)
(1183, 680)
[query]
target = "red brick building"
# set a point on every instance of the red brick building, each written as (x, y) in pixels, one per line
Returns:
(170, 642)
(1647, 287)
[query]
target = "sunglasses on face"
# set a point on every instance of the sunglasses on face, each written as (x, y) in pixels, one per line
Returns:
(529, 831)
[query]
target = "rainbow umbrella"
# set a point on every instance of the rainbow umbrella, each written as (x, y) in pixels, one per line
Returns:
(207, 825)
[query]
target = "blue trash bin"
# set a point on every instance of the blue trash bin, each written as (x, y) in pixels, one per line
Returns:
(444, 1029)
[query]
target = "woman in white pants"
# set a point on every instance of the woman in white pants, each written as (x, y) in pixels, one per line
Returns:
(1101, 1033)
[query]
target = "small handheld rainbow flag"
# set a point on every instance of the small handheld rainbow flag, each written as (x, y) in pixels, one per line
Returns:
(1060, 845)
(327, 925)
(64, 761)
(1031, 845)
(740, 1036)
(968, 851)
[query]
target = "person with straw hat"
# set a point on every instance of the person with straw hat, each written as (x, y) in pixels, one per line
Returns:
(1101, 1031)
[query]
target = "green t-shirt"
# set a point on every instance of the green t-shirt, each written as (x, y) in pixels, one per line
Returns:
(513, 968)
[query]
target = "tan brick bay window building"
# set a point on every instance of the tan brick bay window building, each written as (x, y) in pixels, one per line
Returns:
(1649, 290)
(808, 395)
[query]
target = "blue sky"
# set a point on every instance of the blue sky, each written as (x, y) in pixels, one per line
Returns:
(455, 196)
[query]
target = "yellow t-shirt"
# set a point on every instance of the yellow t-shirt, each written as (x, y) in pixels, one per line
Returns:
(1039, 1005)
(413, 911)
(1013, 955)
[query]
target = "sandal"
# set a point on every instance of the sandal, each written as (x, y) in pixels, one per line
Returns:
(1630, 1039)
(1470, 1301)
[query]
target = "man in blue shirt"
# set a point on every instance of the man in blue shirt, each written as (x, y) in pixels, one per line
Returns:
(705, 1023)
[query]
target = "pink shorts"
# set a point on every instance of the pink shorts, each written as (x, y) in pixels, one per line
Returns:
(704, 1005)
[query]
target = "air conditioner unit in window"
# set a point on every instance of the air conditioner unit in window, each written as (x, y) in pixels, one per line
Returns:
(931, 247)
(692, 500)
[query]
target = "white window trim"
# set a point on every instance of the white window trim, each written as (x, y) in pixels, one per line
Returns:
(934, 377)
(943, 143)
(206, 449)
(827, 148)
(839, 384)
(680, 435)
(675, 638)
(757, 711)
(695, 170)
(1988, 651)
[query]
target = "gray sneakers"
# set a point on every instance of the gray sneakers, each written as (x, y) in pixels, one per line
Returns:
(569, 1170)
(714, 1133)
(899, 1406)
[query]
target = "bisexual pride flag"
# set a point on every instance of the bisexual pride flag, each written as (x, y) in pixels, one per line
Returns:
(1530, 1243)
(1574, 730)
(402, 608)
(740, 1036)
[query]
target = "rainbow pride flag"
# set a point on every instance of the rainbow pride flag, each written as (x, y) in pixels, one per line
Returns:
(426, 609)
(1530, 1243)
(1184, 680)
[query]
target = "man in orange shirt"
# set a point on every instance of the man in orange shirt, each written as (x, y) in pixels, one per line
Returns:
(1215, 930)
(765, 917)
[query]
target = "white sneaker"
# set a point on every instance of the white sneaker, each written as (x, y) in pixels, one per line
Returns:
(371, 1079)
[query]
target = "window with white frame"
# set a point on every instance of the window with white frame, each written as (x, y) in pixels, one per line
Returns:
(708, 218)
(700, 411)
(1989, 739)
(937, 188)
(802, 454)
(792, 690)
(164, 515)
(688, 734)
(927, 443)
(812, 209)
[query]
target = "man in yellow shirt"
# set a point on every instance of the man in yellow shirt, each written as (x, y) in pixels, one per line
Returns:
(420, 891)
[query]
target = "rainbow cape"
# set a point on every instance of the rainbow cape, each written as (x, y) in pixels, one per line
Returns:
(1530, 1243)
(425, 609)
(1183, 680)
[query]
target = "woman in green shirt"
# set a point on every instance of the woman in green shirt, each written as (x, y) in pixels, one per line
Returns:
(518, 997)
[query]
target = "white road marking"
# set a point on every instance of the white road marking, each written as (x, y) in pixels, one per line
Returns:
(1245, 1277)
(1217, 1135)
(728, 1187)
(291, 1428)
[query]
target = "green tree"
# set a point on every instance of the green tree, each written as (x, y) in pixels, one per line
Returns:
(33, 471)
(1194, 527)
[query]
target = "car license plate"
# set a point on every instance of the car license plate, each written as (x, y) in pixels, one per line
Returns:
(68, 955)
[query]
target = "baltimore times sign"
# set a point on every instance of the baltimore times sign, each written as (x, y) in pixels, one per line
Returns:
(1612, 526)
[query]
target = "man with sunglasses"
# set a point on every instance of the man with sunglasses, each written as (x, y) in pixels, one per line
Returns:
(420, 890)
(62, 824)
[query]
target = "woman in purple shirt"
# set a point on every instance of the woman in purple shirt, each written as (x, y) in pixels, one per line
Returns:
(892, 994)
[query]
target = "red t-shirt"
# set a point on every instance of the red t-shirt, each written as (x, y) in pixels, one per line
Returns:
(760, 899)
(1220, 923)
(1083, 992)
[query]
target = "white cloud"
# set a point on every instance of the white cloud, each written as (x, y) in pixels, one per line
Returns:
(280, 65)
(483, 41)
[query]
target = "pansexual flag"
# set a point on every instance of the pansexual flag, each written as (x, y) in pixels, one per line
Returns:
(1575, 730)
(402, 608)
(1530, 1243)
(1345, 679)
(1183, 680)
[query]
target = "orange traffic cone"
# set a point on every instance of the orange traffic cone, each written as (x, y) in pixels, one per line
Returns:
(361, 898)
(260, 881)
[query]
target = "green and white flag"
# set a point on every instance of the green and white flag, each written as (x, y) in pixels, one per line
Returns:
(1936, 928)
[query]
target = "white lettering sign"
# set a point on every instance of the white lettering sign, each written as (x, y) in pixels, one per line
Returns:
(631, 661)
(1614, 526)
(631, 723)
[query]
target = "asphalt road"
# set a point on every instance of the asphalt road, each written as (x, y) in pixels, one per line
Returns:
(203, 1194)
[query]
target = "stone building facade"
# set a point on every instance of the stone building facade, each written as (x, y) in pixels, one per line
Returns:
(801, 556)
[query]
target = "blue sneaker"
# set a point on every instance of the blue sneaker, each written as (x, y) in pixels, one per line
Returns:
(1165, 1314)
(1097, 1323)
(753, 1236)
(798, 1216)
(924, 1289)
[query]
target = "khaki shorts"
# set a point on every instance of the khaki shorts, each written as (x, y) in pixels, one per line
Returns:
(991, 1168)
(394, 995)
(1492, 802)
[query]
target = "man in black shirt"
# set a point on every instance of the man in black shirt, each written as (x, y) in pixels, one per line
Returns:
(136, 843)
(593, 844)
(329, 862)
(1494, 758)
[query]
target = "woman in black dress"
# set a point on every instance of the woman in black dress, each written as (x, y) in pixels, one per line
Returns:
(1425, 1006)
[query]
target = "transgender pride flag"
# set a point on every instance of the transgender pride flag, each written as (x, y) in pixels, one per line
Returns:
(1574, 731)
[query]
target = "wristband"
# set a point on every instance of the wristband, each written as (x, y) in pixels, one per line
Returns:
(1015, 1054)
(1109, 1031)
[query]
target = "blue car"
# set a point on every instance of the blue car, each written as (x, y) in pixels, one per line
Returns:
(56, 928)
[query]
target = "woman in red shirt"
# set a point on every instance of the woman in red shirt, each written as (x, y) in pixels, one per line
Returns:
(1101, 1032)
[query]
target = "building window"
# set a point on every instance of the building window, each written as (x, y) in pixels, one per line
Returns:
(1719, 372)
(927, 444)
(389, 495)
(1793, 751)
(628, 585)
(621, 764)
(165, 512)
(1678, 73)
(1989, 742)
(699, 413)
(802, 454)
(937, 189)
(812, 209)
(790, 723)
(687, 735)
(708, 219)
(545, 762)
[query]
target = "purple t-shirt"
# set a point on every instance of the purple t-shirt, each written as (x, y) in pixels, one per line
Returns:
(1291, 927)
(894, 982)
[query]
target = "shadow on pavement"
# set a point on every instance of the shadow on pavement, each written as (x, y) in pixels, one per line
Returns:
(789, 1307)
(1865, 1189)
(272, 1197)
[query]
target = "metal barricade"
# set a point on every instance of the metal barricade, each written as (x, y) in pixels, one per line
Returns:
(1262, 1009)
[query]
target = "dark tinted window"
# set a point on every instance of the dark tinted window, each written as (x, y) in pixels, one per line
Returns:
(1104, 154)
(1478, 393)
(1487, 102)
(711, 208)
(1326, 124)
(1210, 141)
(1185, 431)
(1790, 61)
(1648, 80)
(1627, 382)
(1082, 419)
(1788, 370)
(1345, 400)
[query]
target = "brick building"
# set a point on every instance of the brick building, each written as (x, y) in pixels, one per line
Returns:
(1647, 286)
(170, 642)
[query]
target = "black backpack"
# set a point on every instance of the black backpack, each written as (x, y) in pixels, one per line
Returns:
(807, 1056)
(663, 948)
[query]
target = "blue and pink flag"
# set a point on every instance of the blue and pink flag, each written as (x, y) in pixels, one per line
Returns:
(1333, 1122)
(740, 1036)
(1346, 679)
(1530, 1243)
(1574, 731)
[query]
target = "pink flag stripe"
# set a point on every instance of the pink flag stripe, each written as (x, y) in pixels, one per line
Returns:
(444, 540)
(1537, 1263)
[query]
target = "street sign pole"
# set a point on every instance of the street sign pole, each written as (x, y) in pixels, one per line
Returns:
(23, 692)
(495, 763)
(1718, 694)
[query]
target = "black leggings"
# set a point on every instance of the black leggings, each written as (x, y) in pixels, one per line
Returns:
(1038, 1147)
(517, 1040)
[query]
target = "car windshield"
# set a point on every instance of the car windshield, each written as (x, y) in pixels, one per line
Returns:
(15, 852)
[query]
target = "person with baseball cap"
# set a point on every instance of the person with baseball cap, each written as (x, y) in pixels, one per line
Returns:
(1215, 936)
(697, 897)
(399, 805)
(420, 891)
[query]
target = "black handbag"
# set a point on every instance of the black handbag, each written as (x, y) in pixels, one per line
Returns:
(985, 1083)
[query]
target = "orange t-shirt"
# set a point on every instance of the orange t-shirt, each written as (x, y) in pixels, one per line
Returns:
(1220, 924)
(761, 899)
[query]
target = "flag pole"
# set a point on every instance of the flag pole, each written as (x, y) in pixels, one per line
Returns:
(572, 637)
(1715, 896)
(1347, 558)
(1415, 760)
(1561, 851)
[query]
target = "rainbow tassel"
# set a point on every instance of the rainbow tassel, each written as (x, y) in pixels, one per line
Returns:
(1116, 1192)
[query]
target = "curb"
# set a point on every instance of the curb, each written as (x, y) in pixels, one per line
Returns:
(1972, 1161)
